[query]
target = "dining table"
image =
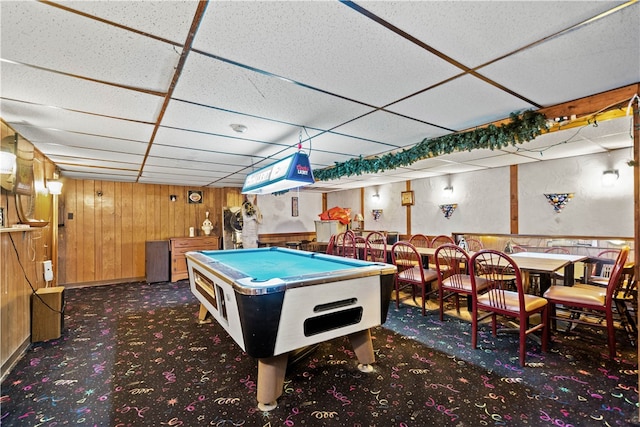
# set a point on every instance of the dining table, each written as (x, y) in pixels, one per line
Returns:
(546, 265)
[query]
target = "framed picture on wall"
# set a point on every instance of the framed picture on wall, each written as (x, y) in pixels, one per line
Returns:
(294, 206)
(195, 196)
(407, 198)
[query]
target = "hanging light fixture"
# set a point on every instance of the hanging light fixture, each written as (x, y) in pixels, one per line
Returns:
(291, 172)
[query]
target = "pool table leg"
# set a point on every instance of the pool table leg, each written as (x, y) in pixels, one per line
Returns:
(271, 372)
(363, 347)
(202, 315)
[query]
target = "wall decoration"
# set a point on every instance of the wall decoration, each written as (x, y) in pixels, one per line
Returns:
(448, 209)
(195, 196)
(407, 198)
(377, 213)
(559, 200)
(522, 127)
(294, 206)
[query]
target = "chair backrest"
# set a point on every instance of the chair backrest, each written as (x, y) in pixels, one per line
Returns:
(615, 277)
(442, 240)
(474, 245)
(608, 253)
(376, 247)
(349, 249)
(451, 262)
(501, 273)
(408, 262)
(556, 250)
(420, 241)
(332, 245)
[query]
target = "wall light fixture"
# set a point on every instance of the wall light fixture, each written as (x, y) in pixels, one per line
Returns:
(609, 177)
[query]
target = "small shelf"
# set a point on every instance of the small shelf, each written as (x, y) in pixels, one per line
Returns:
(18, 229)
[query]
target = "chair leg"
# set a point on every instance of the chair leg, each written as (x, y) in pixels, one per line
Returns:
(523, 342)
(494, 324)
(424, 299)
(474, 328)
(544, 319)
(611, 335)
(441, 303)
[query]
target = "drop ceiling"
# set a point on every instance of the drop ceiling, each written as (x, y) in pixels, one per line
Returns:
(147, 91)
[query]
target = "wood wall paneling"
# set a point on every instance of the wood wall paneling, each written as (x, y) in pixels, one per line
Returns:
(21, 270)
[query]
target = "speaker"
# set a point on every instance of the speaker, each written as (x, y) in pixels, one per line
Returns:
(47, 314)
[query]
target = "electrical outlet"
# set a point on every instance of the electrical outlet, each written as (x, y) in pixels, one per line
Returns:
(48, 270)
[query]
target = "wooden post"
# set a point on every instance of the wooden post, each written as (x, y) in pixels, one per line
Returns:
(513, 197)
(635, 103)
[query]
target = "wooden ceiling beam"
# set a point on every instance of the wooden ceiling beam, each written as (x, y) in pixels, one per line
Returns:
(592, 104)
(613, 102)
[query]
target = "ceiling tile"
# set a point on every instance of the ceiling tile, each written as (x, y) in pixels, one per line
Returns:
(326, 45)
(75, 44)
(489, 29)
(594, 56)
(460, 104)
(21, 83)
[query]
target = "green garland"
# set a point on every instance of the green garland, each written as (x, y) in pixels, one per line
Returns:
(521, 128)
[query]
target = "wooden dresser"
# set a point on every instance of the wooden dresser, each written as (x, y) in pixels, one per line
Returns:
(180, 245)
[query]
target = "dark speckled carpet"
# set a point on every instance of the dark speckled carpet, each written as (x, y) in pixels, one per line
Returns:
(134, 354)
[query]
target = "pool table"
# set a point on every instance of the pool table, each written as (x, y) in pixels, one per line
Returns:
(274, 301)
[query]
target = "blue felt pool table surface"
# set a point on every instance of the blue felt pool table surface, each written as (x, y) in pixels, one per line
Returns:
(268, 263)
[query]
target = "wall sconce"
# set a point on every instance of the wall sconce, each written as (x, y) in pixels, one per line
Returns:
(448, 190)
(173, 197)
(54, 186)
(609, 177)
(376, 196)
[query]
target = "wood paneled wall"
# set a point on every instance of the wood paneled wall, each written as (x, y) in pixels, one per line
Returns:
(104, 225)
(21, 272)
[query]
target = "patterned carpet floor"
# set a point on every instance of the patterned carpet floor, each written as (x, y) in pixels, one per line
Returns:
(134, 354)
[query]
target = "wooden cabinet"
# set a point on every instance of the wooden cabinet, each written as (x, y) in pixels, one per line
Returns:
(182, 245)
(47, 314)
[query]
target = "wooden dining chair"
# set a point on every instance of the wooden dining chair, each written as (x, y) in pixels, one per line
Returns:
(439, 240)
(474, 245)
(331, 246)
(442, 240)
(497, 269)
(376, 247)
(601, 266)
(349, 247)
(556, 250)
(589, 300)
(420, 241)
(454, 279)
(411, 272)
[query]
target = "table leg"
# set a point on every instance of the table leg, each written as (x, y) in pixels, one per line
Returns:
(202, 315)
(569, 273)
(363, 347)
(271, 372)
(526, 280)
(545, 282)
